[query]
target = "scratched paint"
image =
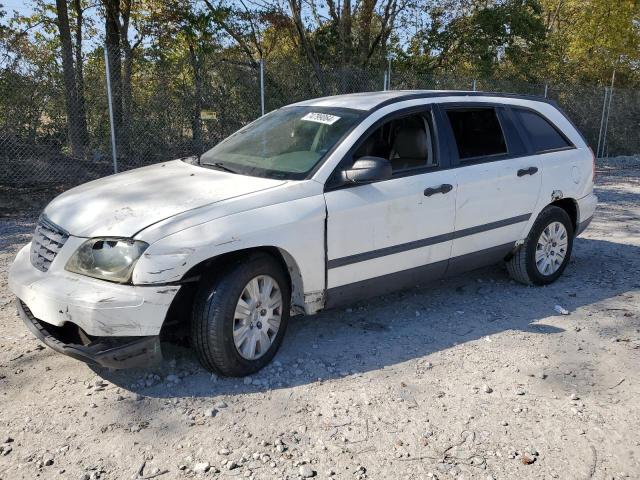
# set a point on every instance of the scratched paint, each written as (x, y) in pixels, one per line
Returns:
(188, 215)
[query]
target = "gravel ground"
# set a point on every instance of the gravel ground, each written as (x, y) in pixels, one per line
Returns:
(472, 377)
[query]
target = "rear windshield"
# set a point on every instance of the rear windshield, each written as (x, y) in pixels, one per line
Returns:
(287, 143)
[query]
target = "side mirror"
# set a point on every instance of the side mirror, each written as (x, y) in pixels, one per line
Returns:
(367, 170)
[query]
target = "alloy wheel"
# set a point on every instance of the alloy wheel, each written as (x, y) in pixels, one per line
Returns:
(257, 317)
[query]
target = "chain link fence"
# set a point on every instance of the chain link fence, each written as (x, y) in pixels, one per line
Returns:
(163, 108)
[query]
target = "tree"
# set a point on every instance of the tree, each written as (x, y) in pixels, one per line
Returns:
(484, 38)
(352, 33)
(591, 38)
(194, 28)
(74, 96)
(245, 25)
(114, 57)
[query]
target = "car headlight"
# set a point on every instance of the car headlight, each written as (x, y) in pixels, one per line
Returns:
(110, 259)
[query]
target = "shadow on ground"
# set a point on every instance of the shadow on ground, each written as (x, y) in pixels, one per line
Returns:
(406, 326)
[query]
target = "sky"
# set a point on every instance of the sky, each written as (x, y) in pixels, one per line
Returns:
(22, 6)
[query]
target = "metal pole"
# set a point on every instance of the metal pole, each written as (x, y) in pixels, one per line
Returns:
(604, 108)
(262, 86)
(474, 85)
(546, 90)
(606, 123)
(113, 130)
(384, 82)
(389, 75)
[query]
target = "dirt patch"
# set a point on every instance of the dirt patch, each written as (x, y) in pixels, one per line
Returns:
(472, 377)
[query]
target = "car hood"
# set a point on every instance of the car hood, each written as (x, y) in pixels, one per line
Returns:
(121, 205)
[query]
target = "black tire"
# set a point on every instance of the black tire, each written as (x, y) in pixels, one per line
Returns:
(522, 266)
(213, 316)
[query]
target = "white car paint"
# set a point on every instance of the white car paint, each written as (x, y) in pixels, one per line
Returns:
(482, 190)
(122, 205)
(189, 214)
(384, 214)
(100, 308)
(296, 227)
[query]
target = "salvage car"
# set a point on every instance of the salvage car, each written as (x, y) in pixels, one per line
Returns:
(312, 206)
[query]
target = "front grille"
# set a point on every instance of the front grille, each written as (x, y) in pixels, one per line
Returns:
(47, 241)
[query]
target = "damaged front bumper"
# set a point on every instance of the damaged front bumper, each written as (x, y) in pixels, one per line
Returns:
(98, 307)
(97, 322)
(112, 352)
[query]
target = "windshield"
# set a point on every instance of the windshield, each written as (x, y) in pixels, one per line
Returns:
(287, 143)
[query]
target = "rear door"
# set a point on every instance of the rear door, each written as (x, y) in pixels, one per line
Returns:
(498, 182)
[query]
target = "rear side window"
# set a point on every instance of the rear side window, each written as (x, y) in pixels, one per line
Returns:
(542, 134)
(477, 132)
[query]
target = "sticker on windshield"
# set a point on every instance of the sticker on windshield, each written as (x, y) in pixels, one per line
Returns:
(320, 118)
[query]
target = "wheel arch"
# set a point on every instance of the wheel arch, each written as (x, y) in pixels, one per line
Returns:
(570, 206)
(220, 262)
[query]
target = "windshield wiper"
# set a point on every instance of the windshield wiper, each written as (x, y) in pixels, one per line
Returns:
(219, 166)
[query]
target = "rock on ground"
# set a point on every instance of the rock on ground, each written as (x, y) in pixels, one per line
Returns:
(472, 377)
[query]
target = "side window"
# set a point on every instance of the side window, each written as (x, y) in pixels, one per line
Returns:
(477, 132)
(407, 142)
(542, 134)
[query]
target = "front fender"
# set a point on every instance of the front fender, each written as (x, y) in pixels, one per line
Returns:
(296, 227)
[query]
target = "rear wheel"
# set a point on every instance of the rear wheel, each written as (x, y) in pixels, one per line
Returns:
(240, 316)
(546, 251)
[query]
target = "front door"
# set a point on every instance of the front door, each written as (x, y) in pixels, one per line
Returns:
(393, 233)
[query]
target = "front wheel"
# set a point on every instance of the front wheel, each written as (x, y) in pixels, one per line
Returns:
(240, 317)
(546, 251)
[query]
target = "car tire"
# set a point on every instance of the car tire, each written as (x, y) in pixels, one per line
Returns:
(220, 310)
(533, 263)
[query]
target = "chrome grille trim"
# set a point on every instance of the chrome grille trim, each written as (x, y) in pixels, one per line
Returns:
(48, 239)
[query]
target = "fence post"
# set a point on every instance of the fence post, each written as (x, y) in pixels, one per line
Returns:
(113, 130)
(262, 86)
(605, 147)
(604, 108)
(474, 84)
(384, 82)
(546, 90)
(389, 75)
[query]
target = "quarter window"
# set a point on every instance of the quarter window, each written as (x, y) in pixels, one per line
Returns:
(477, 132)
(542, 134)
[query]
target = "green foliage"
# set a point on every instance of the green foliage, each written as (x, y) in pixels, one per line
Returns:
(590, 39)
(489, 39)
(185, 57)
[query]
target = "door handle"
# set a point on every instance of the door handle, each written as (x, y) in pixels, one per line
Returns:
(527, 171)
(444, 188)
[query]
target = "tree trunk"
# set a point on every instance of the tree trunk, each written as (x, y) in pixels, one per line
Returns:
(127, 72)
(80, 72)
(346, 32)
(112, 40)
(196, 124)
(365, 19)
(296, 12)
(74, 119)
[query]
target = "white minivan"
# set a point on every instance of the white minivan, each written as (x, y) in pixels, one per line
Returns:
(314, 205)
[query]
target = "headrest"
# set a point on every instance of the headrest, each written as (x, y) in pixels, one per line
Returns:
(411, 143)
